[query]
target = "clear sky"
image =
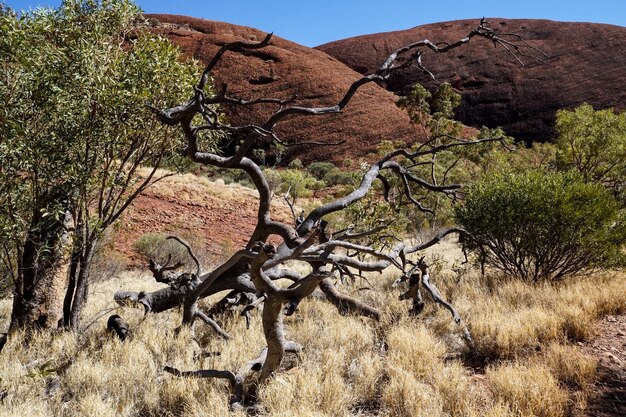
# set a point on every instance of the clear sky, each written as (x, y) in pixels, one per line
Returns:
(314, 22)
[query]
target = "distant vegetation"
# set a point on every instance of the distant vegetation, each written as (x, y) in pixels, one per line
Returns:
(554, 210)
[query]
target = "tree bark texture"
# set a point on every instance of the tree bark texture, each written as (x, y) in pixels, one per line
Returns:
(43, 273)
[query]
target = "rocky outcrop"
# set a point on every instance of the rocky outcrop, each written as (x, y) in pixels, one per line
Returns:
(584, 62)
(283, 69)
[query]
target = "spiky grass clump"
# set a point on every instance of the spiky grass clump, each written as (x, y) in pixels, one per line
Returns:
(516, 318)
(569, 365)
(528, 390)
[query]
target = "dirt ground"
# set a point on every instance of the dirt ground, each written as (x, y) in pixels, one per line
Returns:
(216, 219)
(607, 395)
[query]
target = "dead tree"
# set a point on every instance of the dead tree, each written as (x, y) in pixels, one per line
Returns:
(250, 273)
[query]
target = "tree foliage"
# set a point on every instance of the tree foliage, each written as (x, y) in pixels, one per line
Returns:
(74, 125)
(454, 163)
(434, 110)
(539, 225)
(593, 142)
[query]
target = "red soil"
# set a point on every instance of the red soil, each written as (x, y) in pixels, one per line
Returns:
(608, 393)
(215, 219)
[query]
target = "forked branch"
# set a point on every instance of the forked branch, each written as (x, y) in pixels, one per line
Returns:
(251, 273)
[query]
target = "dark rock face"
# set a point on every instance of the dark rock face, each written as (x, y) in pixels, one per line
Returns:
(584, 62)
(283, 69)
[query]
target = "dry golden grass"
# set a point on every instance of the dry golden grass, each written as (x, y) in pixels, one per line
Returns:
(420, 381)
(528, 390)
(515, 318)
(568, 364)
(401, 366)
(194, 189)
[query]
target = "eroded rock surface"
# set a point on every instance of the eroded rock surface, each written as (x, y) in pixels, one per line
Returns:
(283, 69)
(584, 62)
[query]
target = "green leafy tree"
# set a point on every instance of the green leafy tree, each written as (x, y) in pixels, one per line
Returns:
(435, 111)
(593, 142)
(75, 135)
(453, 163)
(539, 225)
(417, 103)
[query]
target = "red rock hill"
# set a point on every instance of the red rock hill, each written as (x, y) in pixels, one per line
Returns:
(285, 68)
(585, 63)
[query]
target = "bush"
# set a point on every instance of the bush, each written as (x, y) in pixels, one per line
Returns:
(338, 177)
(319, 169)
(539, 225)
(157, 247)
(295, 164)
(299, 183)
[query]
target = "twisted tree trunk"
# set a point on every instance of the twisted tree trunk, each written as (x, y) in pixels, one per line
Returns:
(254, 269)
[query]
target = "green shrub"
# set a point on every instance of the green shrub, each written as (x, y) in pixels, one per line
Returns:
(156, 246)
(295, 164)
(338, 177)
(319, 169)
(299, 183)
(234, 176)
(539, 225)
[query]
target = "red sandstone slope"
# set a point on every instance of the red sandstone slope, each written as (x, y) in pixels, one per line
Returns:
(283, 69)
(585, 63)
(215, 218)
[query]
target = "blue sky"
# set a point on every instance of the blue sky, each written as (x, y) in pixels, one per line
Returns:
(313, 22)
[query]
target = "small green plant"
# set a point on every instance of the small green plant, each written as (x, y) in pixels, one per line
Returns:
(338, 177)
(44, 370)
(295, 164)
(540, 225)
(259, 154)
(319, 169)
(156, 246)
(299, 183)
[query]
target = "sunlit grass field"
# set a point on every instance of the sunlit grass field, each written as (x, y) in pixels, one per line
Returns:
(524, 362)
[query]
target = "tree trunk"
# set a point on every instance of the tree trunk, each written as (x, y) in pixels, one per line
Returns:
(274, 335)
(71, 287)
(81, 288)
(43, 272)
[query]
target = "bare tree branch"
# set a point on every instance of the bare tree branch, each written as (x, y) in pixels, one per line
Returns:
(251, 273)
(189, 251)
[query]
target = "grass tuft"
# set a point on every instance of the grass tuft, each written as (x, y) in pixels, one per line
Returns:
(528, 390)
